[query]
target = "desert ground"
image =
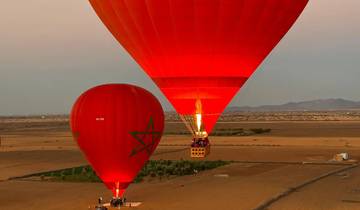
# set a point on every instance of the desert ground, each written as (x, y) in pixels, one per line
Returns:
(287, 168)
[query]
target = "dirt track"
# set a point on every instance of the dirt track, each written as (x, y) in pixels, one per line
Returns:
(338, 192)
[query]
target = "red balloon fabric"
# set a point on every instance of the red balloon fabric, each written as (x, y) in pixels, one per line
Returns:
(199, 49)
(118, 127)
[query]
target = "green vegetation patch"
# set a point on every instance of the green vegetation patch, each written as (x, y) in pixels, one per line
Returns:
(154, 168)
(239, 131)
(260, 130)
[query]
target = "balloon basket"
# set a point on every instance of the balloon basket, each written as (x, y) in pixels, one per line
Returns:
(200, 148)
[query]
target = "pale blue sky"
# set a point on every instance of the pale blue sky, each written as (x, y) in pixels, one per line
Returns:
(52, 51)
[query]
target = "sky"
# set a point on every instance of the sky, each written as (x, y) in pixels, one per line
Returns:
(52, 51)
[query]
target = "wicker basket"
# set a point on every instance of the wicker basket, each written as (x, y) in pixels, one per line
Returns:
(199, 152)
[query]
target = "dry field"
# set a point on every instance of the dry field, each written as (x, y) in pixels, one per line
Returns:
(287, 161)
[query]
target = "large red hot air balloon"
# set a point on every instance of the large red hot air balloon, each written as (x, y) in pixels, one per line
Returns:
(118, 127)
(199, 52)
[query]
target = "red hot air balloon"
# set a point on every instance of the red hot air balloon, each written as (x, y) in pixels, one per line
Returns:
(118, 127)
(199, 52)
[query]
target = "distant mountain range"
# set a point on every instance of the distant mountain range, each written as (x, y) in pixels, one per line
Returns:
(314, 105)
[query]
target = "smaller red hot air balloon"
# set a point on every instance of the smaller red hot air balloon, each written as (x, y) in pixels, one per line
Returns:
(118, 127)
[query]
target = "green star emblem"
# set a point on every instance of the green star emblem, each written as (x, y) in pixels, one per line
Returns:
(140, 136)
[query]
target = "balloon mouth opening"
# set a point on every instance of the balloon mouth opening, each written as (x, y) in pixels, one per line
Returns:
(117, 188)
(194, 122)
(118, 193)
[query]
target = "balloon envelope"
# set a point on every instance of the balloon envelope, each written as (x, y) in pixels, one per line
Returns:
(117, 127)
(199, 49)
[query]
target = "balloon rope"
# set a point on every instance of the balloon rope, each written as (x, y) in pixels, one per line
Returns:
(187, 124)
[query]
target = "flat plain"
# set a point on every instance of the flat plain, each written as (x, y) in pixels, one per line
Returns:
(293, 160)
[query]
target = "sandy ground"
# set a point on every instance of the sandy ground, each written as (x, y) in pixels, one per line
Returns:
(246, 187)
(271, 164)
